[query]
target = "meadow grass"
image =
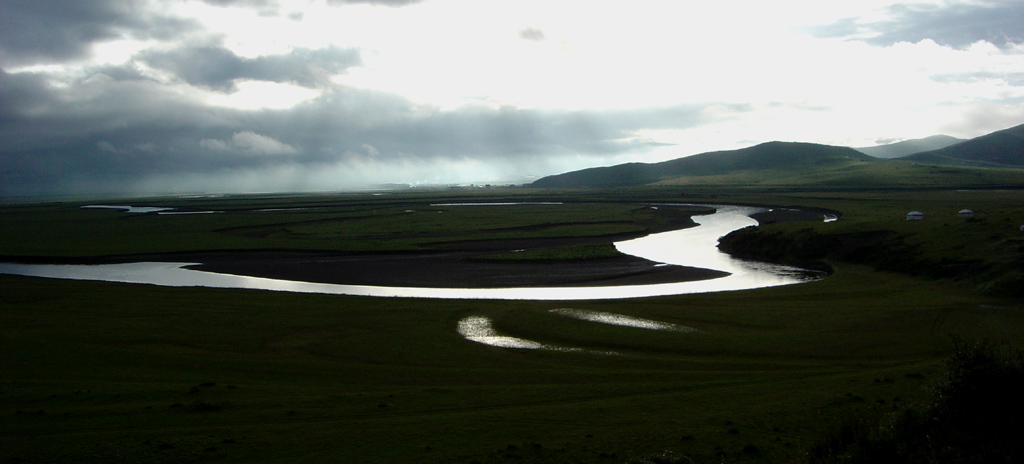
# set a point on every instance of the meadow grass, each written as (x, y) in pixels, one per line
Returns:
(101, 372)
(359, 224)
(855, 175)
(557, 253)
(107, 370)
(983, 252)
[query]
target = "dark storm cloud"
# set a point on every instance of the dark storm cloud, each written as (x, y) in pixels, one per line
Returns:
(101, 130)
(37, 113)
(20, 94)
(33, 31)
(124, 72)
(217, 68)
(957, 25)
(108, 135)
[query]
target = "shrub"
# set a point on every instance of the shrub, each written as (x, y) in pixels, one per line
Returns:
(1009, 285)
(974, 417)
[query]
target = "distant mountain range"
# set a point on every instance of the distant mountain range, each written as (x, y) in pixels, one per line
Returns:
(793, 160)
(1003, 148)
(770, 156)
(909, 147)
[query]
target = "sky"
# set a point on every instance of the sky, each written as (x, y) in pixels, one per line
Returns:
(222, 96)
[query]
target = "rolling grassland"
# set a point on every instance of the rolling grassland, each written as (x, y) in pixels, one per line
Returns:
(102, 372)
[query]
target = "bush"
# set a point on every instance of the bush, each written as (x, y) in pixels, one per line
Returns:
(1010, 285)
(974, 417)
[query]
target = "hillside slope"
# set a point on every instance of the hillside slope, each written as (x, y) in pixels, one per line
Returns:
(909, 147)
(1003, 148)
(770, 156)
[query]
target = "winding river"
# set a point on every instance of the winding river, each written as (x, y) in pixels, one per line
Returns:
(695, 247)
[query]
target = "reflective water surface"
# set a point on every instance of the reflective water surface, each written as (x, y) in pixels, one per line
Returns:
(695, 247)
(698, 247)
(130, 209)
(479, 329)
(621, 319)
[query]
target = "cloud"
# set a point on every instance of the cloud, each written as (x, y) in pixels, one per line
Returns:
(123, 136)
(20, 94)
(506, 133)
(957, 25)
(106, 146)
(35, 31)
(218, 68)
(969, 77)
(245, 3)
(249, 143)
(146, 96)
(391, 3)
(532, 34)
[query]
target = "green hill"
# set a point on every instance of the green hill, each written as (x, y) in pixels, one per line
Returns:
(909, 147)
(967, 164)
(1003, 148)
(764, 158)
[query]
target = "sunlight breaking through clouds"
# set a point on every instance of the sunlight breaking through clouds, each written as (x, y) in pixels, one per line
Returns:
(101, 97)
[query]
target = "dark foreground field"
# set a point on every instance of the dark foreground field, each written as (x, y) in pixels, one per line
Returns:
(104, 372)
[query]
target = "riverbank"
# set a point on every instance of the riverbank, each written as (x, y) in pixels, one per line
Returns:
(451, 270)
(456, 268)
(454, 264)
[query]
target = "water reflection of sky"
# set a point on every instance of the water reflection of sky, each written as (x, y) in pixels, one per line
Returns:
(480, 329)
(620, 320)
(695, 247)
(130, 209)
(698, 247)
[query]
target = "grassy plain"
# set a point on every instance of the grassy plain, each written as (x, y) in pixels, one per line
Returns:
(342, 222)
(102, 372)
